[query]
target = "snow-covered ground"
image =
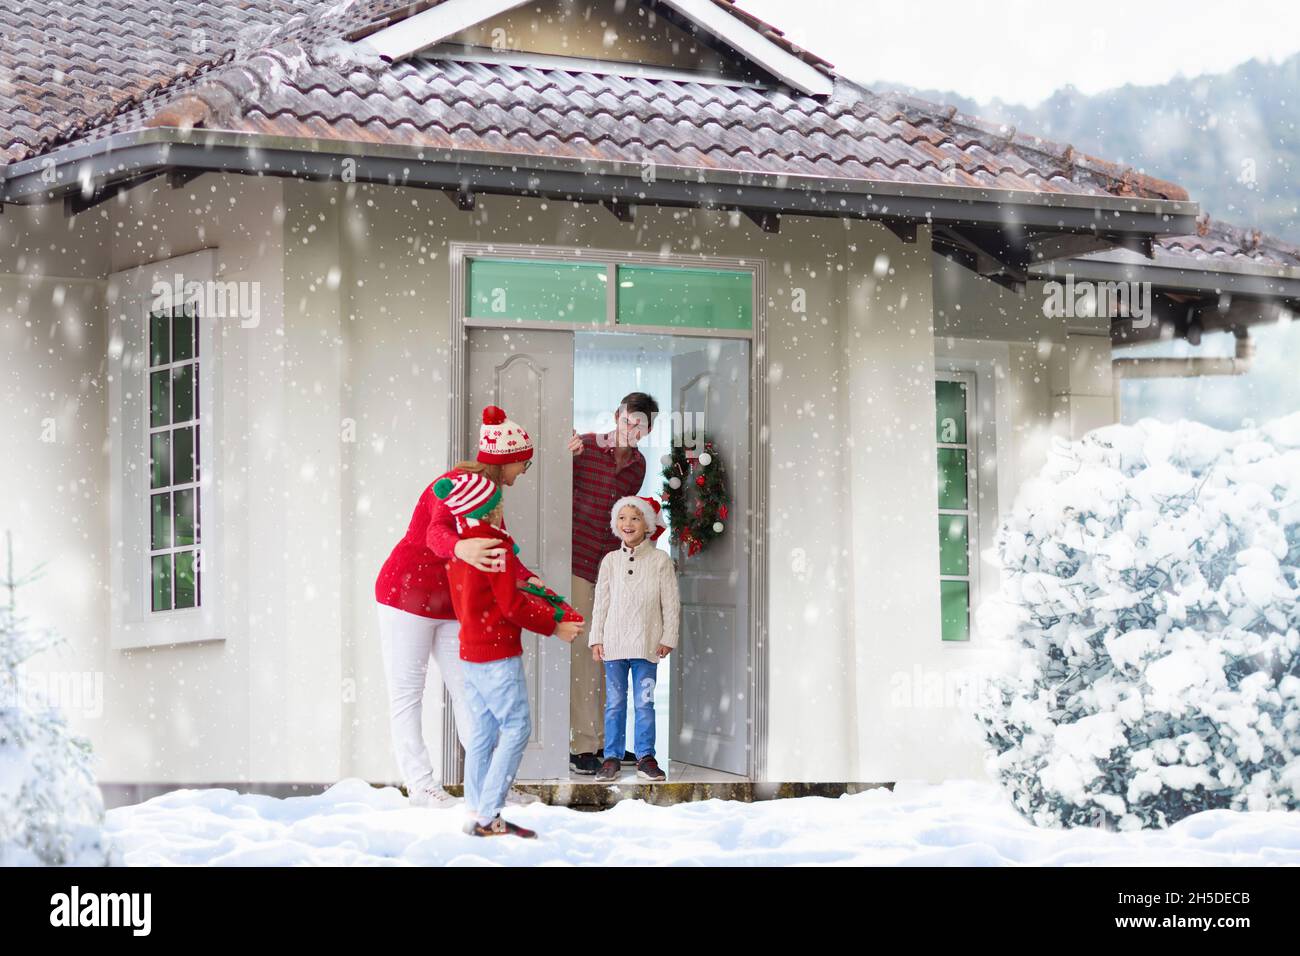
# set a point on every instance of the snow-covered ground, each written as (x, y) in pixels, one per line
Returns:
(959, 823)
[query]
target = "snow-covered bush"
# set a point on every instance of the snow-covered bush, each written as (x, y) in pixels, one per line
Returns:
(1151, 590)
(51, 811)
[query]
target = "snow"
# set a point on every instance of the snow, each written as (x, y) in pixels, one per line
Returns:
(959, 823)
(1151, 591)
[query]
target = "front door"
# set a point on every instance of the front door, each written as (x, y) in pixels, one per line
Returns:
(530, 375)
(710, 700)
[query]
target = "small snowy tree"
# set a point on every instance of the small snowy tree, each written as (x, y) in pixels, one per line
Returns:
(1151, 594)
(51, 811)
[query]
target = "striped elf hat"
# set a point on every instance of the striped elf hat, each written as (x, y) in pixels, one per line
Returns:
(467, 496)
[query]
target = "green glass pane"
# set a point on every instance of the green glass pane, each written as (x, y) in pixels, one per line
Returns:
(187, 580)
(162, 582)
(160, 350)
(161, 506)
(537, 291)
(160, 460)
(687, 298)
(950, 412)
(183, 393)
(955, 597)
(185, 524)
(160, 405)
(954, 553)
(185, 467)
(952, 479)
(182, 336)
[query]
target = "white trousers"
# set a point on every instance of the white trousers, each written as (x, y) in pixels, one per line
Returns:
(408, 641)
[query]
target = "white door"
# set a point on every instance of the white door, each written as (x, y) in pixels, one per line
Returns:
(710, 683)
(530, 375)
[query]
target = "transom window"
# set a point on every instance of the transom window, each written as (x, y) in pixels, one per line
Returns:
(954, 394)
(604, 294)
(173, 390)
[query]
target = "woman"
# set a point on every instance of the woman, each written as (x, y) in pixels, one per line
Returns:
(416, 619)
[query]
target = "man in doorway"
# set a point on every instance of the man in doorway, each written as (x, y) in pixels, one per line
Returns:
(606, 467)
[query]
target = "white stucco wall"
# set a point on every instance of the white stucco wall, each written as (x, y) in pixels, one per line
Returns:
(334, 419)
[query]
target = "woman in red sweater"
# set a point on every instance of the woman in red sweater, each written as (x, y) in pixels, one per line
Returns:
(416, 617)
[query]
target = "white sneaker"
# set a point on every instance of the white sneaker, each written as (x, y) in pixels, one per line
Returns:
(433, 798)
(519, 798)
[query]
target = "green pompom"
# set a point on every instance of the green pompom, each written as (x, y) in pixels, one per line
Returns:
(442, 487)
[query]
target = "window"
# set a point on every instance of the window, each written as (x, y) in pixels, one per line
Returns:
(649, 296)
(954, 397)
(164, 384)
(537, 291)
(173, 389)
(685, 298)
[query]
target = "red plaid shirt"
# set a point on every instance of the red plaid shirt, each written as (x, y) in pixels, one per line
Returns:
(598, 482)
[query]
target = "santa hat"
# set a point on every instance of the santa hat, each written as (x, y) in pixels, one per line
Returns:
(650, 510)
(467, 496)
(501, 441)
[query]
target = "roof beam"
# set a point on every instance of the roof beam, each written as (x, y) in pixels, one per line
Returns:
(622, 211)
(413, 34)
(461, 198)
(766, 220)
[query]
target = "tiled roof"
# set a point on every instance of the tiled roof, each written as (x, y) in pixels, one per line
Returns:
(283, 67)
(1216, 241)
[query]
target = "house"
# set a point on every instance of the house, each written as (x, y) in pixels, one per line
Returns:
(262, 260)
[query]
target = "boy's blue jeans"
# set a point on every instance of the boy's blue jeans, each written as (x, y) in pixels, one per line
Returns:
(497, 696)
(643, 700)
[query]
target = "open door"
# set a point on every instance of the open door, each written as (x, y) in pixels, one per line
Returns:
(710, 699)
(530, 375)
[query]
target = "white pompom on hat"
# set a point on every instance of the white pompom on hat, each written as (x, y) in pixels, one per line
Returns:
(650, 509)
(501, 441)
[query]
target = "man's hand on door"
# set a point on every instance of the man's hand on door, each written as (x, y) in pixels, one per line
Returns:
(575, 443)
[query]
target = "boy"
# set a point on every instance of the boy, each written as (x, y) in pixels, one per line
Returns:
(634, 626)
(492, 611)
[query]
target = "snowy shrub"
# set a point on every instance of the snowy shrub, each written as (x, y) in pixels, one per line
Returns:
(51, 811)
(1151, 590)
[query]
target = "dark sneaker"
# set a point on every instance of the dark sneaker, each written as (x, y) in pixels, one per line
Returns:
(499, 827)
(609, 771)
(647, 768)
(629, 757)
(585, 764)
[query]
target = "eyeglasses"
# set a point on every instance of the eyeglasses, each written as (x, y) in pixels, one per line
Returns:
(528, 463)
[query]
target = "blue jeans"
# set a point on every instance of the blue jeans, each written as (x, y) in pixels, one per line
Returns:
(643, 699)
(497, 697)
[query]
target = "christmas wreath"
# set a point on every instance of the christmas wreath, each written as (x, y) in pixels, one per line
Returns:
(700, 518)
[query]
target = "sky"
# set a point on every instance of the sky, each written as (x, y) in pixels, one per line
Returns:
(1021, 51)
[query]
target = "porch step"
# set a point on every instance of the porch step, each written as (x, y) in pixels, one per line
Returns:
(602, 796)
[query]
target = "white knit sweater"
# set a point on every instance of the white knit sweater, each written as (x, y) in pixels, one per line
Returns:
(637, 605)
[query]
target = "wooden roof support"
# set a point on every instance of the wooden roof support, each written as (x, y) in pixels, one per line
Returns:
(622, 211)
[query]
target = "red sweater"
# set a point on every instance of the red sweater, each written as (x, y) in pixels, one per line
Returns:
(491, 608)
(414, 578)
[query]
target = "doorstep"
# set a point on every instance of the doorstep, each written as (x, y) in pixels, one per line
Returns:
(602, 796)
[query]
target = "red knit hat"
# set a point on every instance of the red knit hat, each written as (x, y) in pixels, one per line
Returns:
(650, 509)
(501, 441)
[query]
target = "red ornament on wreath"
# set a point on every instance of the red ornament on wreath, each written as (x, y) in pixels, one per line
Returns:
(695, 515)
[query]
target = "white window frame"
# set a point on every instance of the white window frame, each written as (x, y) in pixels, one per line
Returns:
(972, 510)
(988, 419)
(134, 623)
